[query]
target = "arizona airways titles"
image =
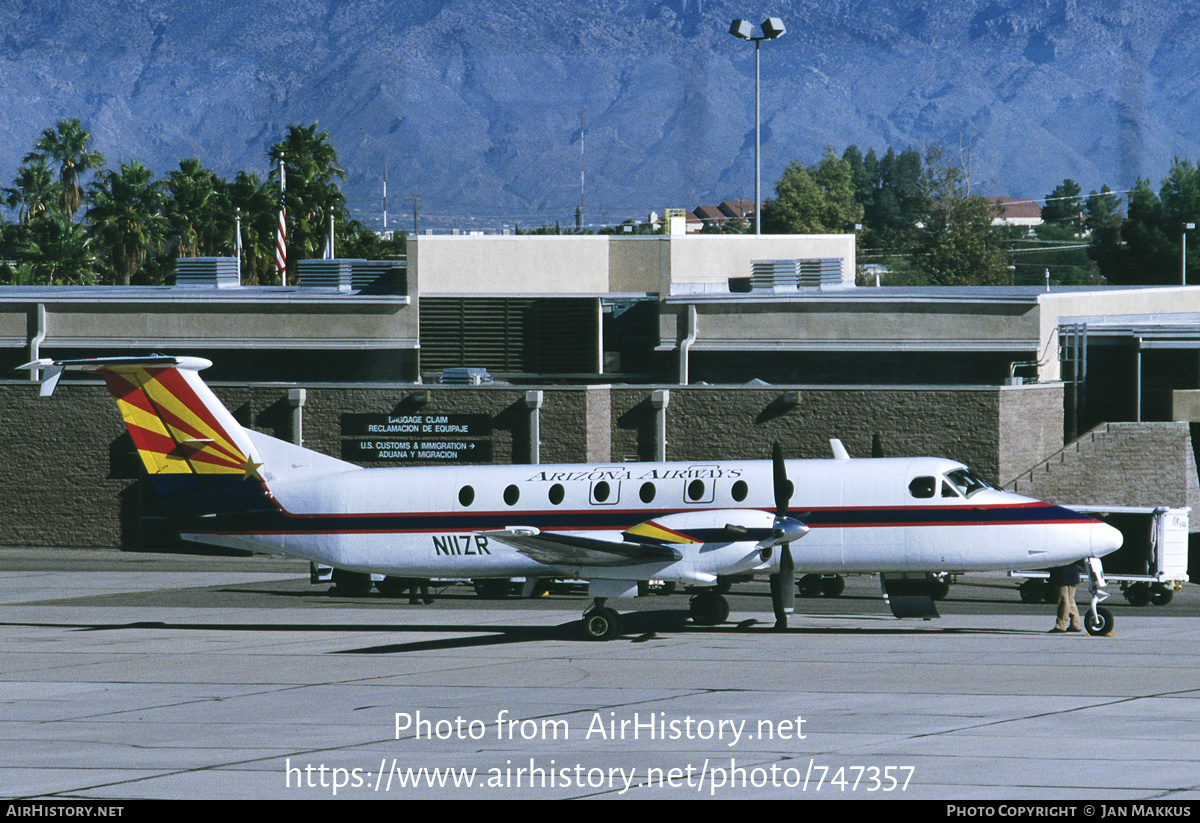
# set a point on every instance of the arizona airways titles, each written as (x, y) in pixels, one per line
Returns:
(621, 473)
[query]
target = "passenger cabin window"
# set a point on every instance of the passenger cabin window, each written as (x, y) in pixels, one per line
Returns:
(740, 489)
(966, 481)
(606, 493)
(647, 492)
(922, 487)
(466, 496)
(511, 495)
(557, 493)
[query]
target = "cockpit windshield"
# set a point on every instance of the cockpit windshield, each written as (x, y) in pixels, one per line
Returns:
(966, 481)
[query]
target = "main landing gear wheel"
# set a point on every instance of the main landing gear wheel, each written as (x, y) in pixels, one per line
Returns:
(939, 589)
(709, 609)
(601, 623)
(809, 585)
(1098, 622)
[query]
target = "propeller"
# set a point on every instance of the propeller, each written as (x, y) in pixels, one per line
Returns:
(783, 583)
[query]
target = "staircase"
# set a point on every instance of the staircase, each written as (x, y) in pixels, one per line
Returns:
(1119, 464)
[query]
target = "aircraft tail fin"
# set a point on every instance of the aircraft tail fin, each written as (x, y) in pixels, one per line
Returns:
(176, 422)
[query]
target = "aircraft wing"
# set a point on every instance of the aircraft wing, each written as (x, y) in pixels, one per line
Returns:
(571, 550)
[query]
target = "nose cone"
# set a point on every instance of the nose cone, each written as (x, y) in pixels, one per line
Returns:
(1105, 539)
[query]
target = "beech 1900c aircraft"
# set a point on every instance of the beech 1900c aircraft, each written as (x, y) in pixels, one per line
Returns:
(612, 525)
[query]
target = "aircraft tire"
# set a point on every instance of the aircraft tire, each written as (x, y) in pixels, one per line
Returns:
(1098, 622)
(601, 624)
(709, 608)
(1161, 595)
(833, 586)
(809, 585)
(939, 589)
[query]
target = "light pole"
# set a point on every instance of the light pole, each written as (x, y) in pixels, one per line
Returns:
(1183, 252)
(772, 29)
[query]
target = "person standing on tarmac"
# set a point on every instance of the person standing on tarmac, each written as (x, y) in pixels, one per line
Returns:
(1066, 578)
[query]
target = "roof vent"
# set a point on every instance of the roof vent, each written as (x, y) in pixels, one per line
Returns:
(208, 272)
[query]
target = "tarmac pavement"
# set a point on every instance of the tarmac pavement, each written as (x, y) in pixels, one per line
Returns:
(189, 677)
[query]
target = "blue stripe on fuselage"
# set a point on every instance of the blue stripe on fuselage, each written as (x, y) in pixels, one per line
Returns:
(277, 521)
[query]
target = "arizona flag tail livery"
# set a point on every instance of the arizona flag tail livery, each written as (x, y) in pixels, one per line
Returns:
(177, 424)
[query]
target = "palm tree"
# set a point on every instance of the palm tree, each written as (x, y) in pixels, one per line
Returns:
(66, 147)
(34, 191)
(199, 211)
(127, 216)
(55, 252)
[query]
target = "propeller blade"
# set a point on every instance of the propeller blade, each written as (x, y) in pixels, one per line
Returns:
(783, 587)
(783, 582)
(780, 483)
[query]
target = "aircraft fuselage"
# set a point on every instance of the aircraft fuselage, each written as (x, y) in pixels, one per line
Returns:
(864, 515)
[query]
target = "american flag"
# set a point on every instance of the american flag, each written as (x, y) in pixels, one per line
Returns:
(281, 244)
(281, 230)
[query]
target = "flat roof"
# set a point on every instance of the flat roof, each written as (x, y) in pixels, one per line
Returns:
(920, 294)
(194, 294)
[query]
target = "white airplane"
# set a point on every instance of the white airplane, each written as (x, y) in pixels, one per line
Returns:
(613, 525)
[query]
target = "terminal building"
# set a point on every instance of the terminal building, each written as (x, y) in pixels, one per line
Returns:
(615, 348)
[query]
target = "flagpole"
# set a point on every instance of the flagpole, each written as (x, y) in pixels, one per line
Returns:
(281, 231)
(237, 243)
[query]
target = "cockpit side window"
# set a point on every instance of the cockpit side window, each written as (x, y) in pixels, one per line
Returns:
(922, 487)
(966, 481)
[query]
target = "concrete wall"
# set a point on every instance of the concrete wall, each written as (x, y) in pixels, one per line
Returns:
(509, 264)
(600, 264)
(70, 476)
(705, 262)
(100, 318)
(862, 319)
(1030, 426)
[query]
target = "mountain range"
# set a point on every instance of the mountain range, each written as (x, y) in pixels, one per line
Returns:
(492, 113)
